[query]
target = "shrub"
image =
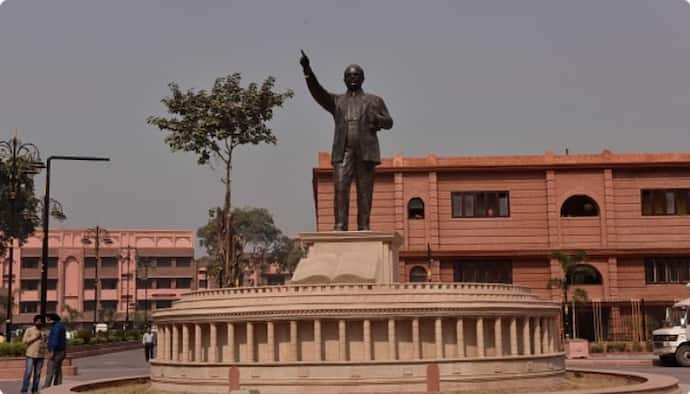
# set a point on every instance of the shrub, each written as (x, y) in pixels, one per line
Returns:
(637, 347)
(85, 335)
(12, 349)
(614, 347)
(75, 341)
(596, 348)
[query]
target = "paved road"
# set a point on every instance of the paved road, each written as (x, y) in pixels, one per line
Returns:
(132, 362)
(125, 363)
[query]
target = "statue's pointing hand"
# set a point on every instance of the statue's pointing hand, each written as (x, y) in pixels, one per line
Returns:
(304, 61)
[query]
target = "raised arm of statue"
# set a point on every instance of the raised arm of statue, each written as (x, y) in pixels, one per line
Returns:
(325, 99)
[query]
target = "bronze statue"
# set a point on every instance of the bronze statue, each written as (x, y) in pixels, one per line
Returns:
(358, 116)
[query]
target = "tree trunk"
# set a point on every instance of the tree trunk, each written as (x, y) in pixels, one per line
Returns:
(228, 236)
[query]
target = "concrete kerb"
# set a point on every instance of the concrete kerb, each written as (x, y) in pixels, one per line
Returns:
(76, 387)
(651, 384)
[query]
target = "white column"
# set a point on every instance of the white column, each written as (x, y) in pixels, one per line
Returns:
(231, 344)
(185, 342)
(198, 357)
(342, 341)
(438, 337)
(250, 342)
(175, 343)
(537, 335)
(366, 328)
(553, 335)
(513, 337)
(293, 341)
(526, 337)
(498, 337)
(392, 354)
(160, 349)
(213, 345)
(459, 338)
(545, 336)
(480, 337)
(415, 339)
(271, 339)
(318, 343)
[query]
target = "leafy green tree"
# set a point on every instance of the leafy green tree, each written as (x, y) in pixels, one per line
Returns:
(212, 124)
(19, 221)
(26, 206)
(71, 316)
(258, 241)
(570, 264)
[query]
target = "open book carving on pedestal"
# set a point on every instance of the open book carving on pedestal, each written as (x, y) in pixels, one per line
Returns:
(349, 257)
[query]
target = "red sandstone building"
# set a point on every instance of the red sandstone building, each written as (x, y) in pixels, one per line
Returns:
(124, 288)
(499, 219)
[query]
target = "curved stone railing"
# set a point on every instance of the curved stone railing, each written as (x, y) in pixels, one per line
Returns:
(313, 288)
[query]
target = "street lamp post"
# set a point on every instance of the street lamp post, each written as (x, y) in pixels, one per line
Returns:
(98, 234)
(46, 216)
(22, 159)
(129, 275)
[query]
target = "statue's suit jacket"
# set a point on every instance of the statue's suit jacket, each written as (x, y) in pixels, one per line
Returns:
(374, 111)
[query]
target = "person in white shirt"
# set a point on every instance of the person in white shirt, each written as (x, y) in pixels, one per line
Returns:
(149, 342)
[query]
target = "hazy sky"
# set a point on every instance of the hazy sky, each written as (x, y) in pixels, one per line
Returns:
(480, 77)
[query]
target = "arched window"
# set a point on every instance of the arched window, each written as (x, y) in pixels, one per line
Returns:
(585, 274)
(579, 205)
(415, 208)
(418, 274)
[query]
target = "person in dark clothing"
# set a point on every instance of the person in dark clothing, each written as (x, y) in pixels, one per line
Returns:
(56, 351)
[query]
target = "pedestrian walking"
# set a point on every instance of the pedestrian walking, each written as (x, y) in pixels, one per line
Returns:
(56, 351)
(148, 341)
(35, 340)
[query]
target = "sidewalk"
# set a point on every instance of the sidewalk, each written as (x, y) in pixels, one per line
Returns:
(112, 365)
(614, 360)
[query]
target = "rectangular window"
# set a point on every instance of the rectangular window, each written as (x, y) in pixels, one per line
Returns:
(164, 262)
(163, 304)
(667, 269)
(52, 284)
(483, 271)
(183, 261)
(480, 204)
(89, 305)
(109, 284)
(112, 305)
(30, 284)
(90, 262)
(51, 306)
(30, 262)
(203, 284)
(163, 283)
(665, 202)
(28, 307)
(183, 283)
(108, 262)
(52, 262)
(89, 284)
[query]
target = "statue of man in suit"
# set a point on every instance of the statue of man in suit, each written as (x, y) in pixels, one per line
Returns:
(358, 117)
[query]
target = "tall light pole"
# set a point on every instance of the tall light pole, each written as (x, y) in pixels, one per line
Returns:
(20, 159)
(98, 234)
(129, 275)
(46, 217)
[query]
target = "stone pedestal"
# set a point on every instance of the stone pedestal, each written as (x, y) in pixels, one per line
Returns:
(577, 348)
(349, 257)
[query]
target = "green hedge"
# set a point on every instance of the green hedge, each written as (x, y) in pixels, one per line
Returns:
(12, 349)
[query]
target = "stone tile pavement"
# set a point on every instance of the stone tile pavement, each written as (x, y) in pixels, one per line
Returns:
(112, 365)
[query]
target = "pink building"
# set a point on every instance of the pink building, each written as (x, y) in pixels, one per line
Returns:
(72, 270)
(499, 219)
